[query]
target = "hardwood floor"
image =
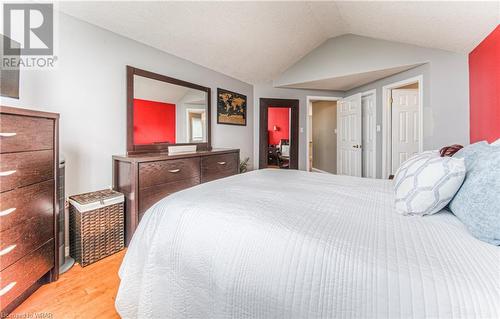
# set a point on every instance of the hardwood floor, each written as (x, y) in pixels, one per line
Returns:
(79, 293)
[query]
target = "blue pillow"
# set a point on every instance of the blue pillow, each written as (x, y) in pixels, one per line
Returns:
(477, 202)
(471, 152)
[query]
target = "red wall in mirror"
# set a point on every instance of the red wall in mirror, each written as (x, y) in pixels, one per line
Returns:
(279, 117)
(154, 122)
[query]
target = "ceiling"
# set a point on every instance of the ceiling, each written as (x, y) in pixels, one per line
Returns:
(351, 81)
(257, 41)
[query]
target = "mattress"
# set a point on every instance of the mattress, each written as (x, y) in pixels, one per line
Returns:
(293, 244)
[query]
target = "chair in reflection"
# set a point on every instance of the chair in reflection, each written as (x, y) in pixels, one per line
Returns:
(284, 153)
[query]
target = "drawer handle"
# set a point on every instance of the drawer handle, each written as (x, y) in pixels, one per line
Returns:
(174, 170)
(7, 250)
(7, 134)
(7, 173)
(221, 163)
(7, 212)
(7, 288)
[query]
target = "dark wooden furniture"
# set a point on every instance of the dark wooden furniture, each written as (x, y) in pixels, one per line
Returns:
(28, 204)
(272, 157)
(294, 130)
(145, 179)
(159, 147)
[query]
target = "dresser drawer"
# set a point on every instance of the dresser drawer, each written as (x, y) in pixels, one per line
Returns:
(219, 166)
(20, 276)
(161, 172)
(22, 239)
(25, 168)
(19, 205)
(23, 133)
(149, 196)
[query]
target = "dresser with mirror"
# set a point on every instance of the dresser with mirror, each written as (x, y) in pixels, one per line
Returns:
(164, 113)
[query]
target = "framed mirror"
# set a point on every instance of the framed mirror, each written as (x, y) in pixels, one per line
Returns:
(163, 111)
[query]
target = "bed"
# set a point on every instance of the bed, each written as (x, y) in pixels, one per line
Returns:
(293, 244)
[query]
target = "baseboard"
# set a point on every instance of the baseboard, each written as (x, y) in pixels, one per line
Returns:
(319, 171)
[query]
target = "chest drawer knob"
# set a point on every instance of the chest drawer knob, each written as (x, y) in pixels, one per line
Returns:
(174, 170)
(7, 134)
(7, 288)
(7, 173)
(7, 212)
(221, 163)
(7, 250)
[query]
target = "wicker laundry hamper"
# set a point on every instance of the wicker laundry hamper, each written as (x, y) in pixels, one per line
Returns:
(96, 227)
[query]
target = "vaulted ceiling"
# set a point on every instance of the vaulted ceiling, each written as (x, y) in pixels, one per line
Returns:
(257, 41)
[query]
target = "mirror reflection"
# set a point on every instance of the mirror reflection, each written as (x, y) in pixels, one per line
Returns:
(168, 113)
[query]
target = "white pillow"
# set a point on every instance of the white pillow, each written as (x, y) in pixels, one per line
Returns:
(426, 184)
(408, 162)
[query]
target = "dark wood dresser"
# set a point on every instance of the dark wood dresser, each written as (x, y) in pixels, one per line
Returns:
(28, 205)
(147, 178)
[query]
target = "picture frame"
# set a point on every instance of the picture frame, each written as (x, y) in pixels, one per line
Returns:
(231, 108)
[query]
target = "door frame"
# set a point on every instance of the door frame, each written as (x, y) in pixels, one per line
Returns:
(309, 101)
(265, 103)
(364, 94)
(387, 119)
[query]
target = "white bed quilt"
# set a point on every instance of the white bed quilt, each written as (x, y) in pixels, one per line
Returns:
(291, 244)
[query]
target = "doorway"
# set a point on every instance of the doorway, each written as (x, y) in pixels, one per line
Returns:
(352, 126)
(196, 125)
(279, 133)
(402, 122)
(323, 143)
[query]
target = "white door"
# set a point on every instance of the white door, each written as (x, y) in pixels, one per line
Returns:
(369, 134)
(405, 126)
(349, 136)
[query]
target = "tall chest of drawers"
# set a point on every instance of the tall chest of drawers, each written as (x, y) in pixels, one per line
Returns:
(28, 205)
(147, 178)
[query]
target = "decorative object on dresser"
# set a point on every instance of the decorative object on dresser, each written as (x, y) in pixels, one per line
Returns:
(28, 203)
(96, 225)
(231, 108)
(145, 179)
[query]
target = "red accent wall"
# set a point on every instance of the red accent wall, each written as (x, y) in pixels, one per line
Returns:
(279, 116)
(484, 81)
(153, 122)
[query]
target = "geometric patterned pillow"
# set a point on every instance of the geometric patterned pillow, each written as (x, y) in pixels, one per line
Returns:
(410, 161)
(426, 184)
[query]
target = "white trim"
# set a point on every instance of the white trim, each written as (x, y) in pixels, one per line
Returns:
(374, 93)
(309, 100)
(386, 120)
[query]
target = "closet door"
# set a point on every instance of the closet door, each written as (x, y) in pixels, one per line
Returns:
(349, 123)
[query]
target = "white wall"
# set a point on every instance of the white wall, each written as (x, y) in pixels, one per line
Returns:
(445, 103)
(266, 90)
(445, 74)
(88, 89)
